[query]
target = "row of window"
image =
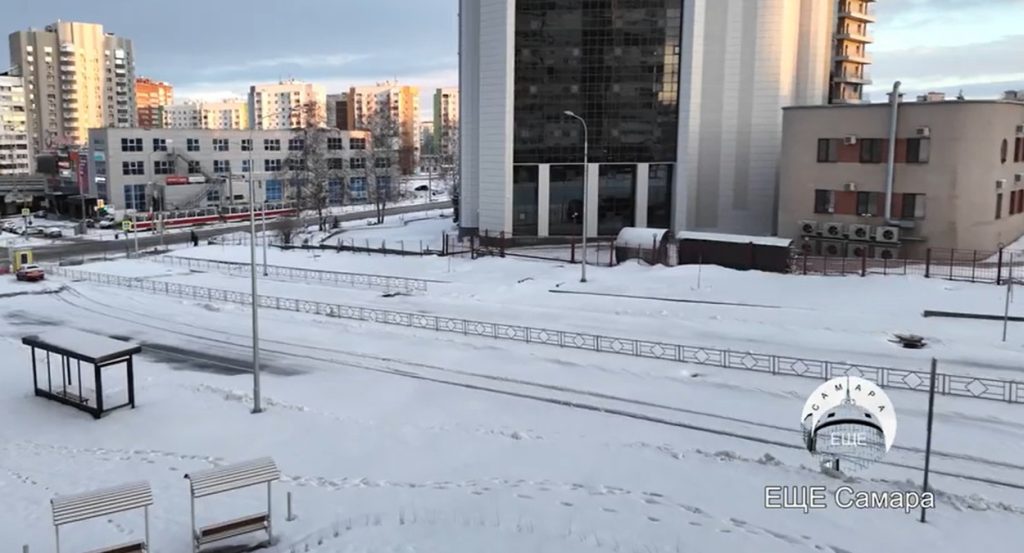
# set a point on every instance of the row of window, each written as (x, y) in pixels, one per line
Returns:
(135, 194)
(873, 150)
(296, 144)
(868, 204)
(168, 167)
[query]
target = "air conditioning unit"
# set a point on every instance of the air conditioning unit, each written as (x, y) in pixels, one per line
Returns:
(850, 187)
(850, 140)
(833, 230)
(830, 248)
(887, 254)
(860, 232)
(807, 246)
(924, 132)
(809, 228)
(890, 235)
(1018, 178)
(1000, 184)
(858, 250)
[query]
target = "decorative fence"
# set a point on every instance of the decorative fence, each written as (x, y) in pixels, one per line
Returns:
(903, 379)
(355, 280)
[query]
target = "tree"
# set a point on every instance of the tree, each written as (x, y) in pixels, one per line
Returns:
(309, 168)
(381, 168)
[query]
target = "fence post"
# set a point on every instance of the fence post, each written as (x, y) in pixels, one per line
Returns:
(974, 264)
(999, 267)
(572, 250)
(805, 263)
(611, 255)
(928, 263)
(951, 252)
(501, 243)
(842, 265)
(864, 263)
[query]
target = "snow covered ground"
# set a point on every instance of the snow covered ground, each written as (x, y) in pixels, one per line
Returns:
(394, 439)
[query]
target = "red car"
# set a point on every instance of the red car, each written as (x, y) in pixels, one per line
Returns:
(30, 273)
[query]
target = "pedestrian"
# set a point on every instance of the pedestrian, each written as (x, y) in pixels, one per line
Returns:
(195, 238)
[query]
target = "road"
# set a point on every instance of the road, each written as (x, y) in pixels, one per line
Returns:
(87, 247)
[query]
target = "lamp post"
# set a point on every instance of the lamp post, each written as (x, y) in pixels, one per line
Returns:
(586, 189)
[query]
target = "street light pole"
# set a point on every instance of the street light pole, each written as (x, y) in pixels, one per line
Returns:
(256, 404)
(586, 189)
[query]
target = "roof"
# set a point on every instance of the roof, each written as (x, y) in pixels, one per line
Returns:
(905, 104)
(773, 241)
(232, 477)
(102, 502)
(91, 348)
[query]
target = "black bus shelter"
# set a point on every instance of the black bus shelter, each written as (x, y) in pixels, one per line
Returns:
(65, 351)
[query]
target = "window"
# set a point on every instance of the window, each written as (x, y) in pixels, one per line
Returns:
(524, 200)
(1020, 201)
(358, 163)
(296, 164)
(271, 165)
(192, 144)
(159, 144)
(335, 192)
(133, 168)
(272, 144)
(999, 206)
(335, 143)
(221, 166)
(357, 188)
(1018, 149)
(195, 168)
(1013, 202)
(220, 144)
(565, 205)
(1003, 150)
(213, 195)
(246, 144)
(357, 143)
(335, 163)
(131, 145)
(867, 202)
(824, 201)
(135, 196)
(163, 167)
(871, 150)
(273, 193)
(659, 196)
(246, 166)
(912, 207)
(616, 198)
(382, 163)
(918, 150)
(828, 150)
(296, 144)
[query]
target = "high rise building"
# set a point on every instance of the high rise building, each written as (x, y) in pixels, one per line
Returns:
(403, 102)
(182, 116)
(337, 111)
(682, 100)
(850, 58)
(222, 115)
(15, 151)
(287, 104)
(152, 97)
(77, 77)
(446, 122)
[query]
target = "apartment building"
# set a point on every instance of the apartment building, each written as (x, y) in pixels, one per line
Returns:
(403, 104)
(287, 104)
(152, 97)
(77, 77)
(135, 169)
(446, 122)
(222, 115)
(682, 99)
(958, 181)
(337, 111)
(850, 58)
(15, 148)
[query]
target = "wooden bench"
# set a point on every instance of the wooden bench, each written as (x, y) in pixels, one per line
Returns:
(134, 547)
(71, 397)
(232, 528)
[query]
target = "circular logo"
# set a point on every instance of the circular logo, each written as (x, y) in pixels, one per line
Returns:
(848, 423)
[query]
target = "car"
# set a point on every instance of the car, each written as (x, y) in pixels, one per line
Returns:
(34, 230)
(40, 214)
(421, 188)
(53, 232)
(90, 223)
(30, 273)
(9, 226)
(106, 223)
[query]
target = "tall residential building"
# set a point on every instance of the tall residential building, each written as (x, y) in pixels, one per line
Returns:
(404, 104)
(682, 99)
(287, 104)
(15, 151)
(337, 111)
(77, 77)
(222, 115)
(152, 97)
(182, 116)
(850, 58)
(446, 122)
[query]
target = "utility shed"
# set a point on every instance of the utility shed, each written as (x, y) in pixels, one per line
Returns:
(735, 251)
(649, 244)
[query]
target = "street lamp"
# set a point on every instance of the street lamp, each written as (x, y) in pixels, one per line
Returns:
(586, 190)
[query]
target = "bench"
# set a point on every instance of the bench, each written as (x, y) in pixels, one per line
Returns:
(232, 528)
(134, 547)
(71, 397)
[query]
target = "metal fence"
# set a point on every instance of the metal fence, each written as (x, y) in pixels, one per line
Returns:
(903, 379)
(987, 267)
(335, 278)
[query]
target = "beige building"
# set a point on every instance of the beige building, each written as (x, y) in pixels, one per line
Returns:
(850, 58)
(958, 177)
(446, 122)
(15, 150)
(404, 105)
(222, 115)
(284, 105)
(77, 77)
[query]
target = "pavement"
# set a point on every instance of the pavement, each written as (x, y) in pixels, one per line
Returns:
(84, 247)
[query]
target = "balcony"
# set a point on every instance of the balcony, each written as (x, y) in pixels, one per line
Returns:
(852, 78)
(849, 11)
(67, 68)
(853, 58)
(855, 36)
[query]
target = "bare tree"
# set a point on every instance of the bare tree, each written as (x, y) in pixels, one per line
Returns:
(288, 228)
(309, 169)
(382, 168)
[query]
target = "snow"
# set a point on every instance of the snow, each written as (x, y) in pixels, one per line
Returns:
(735, 238)
(85, 343)
(394, 439)
(633, 237)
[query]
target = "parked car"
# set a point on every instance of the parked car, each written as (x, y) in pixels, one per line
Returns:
(53, 232)
(421, 188)
(90, 223)
(34, 231)
(40, 214)
(30, 273)
(106, 223)
(9, 225)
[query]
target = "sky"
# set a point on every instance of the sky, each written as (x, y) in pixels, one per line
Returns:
(209, 49)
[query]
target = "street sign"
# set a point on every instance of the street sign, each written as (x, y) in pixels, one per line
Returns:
(25, 212)
(100, 203)
(126, 225)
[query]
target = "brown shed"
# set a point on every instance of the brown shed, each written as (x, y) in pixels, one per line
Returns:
(735, 251)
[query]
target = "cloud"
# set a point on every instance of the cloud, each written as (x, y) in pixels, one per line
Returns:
(952, 66)
(328, 61)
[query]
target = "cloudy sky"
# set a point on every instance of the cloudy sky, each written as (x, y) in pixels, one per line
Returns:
(216, 48)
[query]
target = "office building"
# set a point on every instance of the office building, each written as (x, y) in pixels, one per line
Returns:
(15, 149)
(286, 105)
(77, 77)
(850, 58)
(193, 168)
(337, 111)
(682, 98)
(152, 97)
(403, 103)
(446, 122)
(958, 177)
